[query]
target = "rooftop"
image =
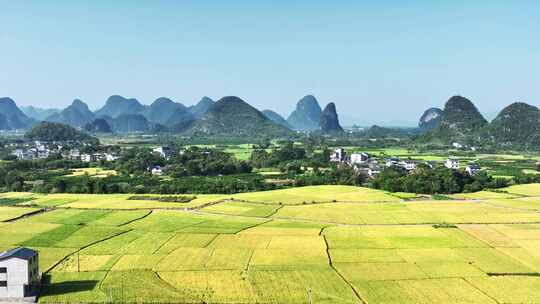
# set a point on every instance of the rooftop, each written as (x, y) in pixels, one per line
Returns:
(19, 252)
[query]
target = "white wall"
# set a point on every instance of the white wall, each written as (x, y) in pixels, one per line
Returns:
(17, 277)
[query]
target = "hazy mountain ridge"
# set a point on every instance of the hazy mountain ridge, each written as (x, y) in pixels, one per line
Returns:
(232, 116)
(76, 115)
(275, 117)
(37, 113)
(117, 105)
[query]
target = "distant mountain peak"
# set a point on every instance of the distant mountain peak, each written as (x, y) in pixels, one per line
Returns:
(517, 124)
(12, 116)
(329, 120)
(460, 117)
(275, 117)
(76, 115)
(430, 119)
(117, 105)
(307, 115)
(233, 116)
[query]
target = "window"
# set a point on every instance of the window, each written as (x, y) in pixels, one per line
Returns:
(3, 283)
(3, 270)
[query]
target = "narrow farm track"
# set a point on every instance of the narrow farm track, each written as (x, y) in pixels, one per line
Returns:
(27, 215)
(339, 273)
(481, 291)
(136, 219)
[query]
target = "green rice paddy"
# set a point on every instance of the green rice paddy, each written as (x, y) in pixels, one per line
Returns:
(327, 244)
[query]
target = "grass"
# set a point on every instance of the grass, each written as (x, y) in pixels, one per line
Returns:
(243, 209)
(317, 194)
(93, 172)
(526, 190)
(9, 213)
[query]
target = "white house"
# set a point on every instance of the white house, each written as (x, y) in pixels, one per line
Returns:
(408, 165)
(451, 163)
(156, 170)
(374, 170)
(339, 155)
(19, 273)
(391, 162)
(75, 154)
(86, 158)
(165, 152)
(472, 169)
(111, 157)
(359, 158)
(457, 145)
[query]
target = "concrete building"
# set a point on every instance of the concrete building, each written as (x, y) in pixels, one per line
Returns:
(156, 170)
(408, 165)
(19, 273)
(472, 169)
(451, 163)
(165, 152)
(359, 158)
(392, 162)
(339, 156)
(374, 170)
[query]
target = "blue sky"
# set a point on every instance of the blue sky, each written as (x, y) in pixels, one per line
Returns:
(379, 61)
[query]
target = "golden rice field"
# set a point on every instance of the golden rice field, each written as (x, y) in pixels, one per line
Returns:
(343, 245)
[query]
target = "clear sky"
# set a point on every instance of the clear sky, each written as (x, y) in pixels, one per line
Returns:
(379, 61)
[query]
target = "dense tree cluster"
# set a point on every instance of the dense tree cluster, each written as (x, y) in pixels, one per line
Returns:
(439, 180)
(206, 162)
(51, 131)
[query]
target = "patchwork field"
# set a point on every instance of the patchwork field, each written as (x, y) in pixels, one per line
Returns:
(344, 245)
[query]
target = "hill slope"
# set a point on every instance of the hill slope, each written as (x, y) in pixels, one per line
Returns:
(201, 107)
(431, 119)
(99, 125)
(233, 116)
(76, 115)
(52, 131)
(14, 118)
(117, 105)
(275, 117)
(162, 109)
(129, 123)
(307, 115)
(38, 114)
(460, 118)
(517, 124)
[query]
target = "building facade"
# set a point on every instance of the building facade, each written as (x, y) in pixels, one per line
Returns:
(19, 273)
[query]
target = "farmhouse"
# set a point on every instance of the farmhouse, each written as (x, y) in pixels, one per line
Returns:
(339, 156)
(359, 158)
(165, 152)
(392, 162)
(156, 170)
(451, 163)
(408, 165)
(472, 169)
(374, 170)
(19, 273)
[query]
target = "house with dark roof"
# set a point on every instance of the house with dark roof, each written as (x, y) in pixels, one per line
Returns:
(19, 273)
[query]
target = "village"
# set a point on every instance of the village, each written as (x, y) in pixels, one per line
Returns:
(366, 164)
(34, 150)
